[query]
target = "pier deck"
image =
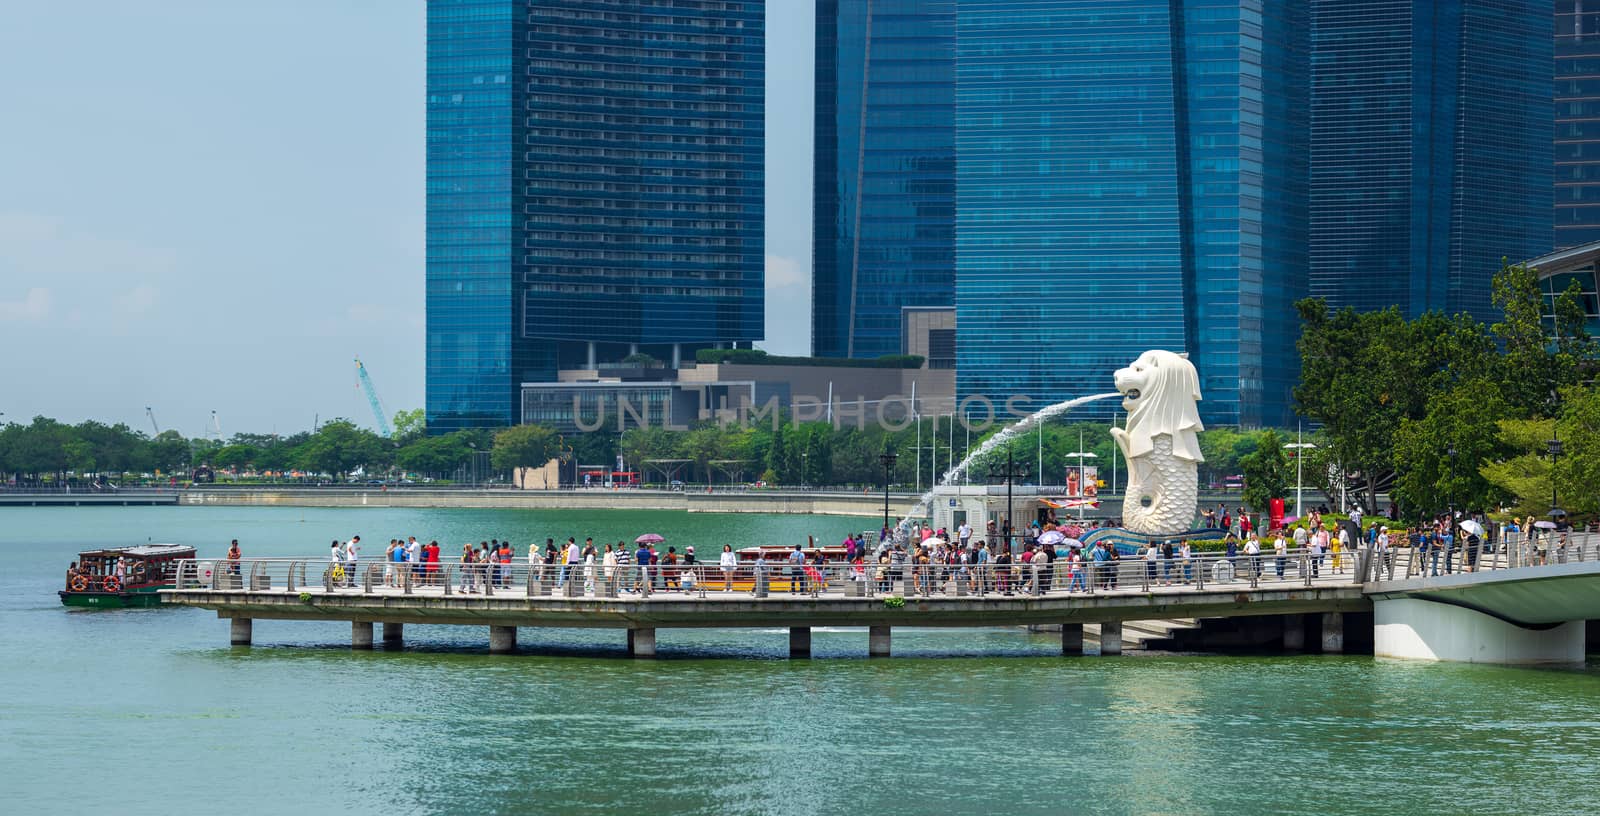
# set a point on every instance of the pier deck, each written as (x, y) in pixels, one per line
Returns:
(524, 595)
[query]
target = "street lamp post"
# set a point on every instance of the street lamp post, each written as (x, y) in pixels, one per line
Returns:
(888, 459)
(1554, 446)
(1450, 495)
(1299, 446)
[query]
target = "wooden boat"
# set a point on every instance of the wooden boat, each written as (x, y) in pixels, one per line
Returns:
(776, 557)
(146, 568)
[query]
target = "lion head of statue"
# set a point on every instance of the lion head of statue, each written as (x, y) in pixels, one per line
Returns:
(1159, 391)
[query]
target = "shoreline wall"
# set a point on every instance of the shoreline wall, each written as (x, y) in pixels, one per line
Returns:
(837, 504)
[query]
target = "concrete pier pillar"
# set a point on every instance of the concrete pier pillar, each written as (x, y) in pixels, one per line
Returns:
(799, 641)
(877, 641)
(1111, 638)
(361, 634)
(394, 634)
(1072, 638)
(502, 639)
(1333, 633)
(1294, 633)
(642, 642)
(239, 631)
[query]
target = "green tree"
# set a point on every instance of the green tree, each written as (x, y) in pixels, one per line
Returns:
(410, 425)
(1266, 472)
(235, 457)
(169, 453)
(434, 455)
(525, 446)
(340, 447)
(1439, 458)
(1530, 373)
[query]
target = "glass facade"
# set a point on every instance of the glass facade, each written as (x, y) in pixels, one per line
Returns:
(1577, 113)
(644, 143)
(595, 182)
(473, 227)
(1428, 149)
(884, 173)
(1130, 176)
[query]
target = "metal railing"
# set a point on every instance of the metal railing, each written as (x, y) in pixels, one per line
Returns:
(774, 579)
(1513, 550)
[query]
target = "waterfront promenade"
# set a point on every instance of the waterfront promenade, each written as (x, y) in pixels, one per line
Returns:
(1304, 596)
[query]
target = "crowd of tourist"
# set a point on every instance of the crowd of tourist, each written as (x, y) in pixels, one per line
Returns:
(1046, 556)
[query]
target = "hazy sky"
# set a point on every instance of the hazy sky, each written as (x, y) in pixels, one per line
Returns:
(215, 206)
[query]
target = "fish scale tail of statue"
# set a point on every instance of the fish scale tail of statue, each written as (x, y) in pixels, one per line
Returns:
(1161, 442)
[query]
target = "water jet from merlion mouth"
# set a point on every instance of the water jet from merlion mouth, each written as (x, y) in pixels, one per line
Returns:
(1005, 435)
(1160, 391)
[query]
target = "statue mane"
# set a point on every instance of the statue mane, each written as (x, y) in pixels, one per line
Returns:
(1166, 405)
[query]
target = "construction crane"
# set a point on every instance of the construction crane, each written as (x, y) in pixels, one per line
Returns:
(372, 399)
(149, 412)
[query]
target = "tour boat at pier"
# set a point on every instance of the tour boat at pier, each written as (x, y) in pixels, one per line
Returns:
(146, 568)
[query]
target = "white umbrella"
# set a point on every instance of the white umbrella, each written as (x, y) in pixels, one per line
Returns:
(1545, 525)
(1050, 538)
(1073, 542)
(1472, 527)
(933, 541)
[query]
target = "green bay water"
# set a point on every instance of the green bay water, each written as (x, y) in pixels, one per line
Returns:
(150, 711)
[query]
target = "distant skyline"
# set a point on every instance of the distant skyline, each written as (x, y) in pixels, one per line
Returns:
(216, 207)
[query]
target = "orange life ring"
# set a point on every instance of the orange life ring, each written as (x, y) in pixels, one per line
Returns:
(111, 584)
(79, 583)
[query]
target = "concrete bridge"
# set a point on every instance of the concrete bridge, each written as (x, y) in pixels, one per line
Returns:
(1508, 608)
(1512, 614)
(1303, 604)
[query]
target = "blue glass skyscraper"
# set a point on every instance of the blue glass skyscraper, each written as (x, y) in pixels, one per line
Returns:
(1129, 176)
(1577, 112)
(1430, 149)
(884, 175)
(474, 343)
(595, 182)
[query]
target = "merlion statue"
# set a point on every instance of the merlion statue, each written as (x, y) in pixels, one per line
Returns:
(1159, 391)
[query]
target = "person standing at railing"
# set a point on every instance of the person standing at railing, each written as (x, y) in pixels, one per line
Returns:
(728, 562)
(796, 569)
(1151, 553)
(388, 562)
(1252, 552)
(624, 557)
(1382, 557)
(1340, 543)
(414, 559)
(1280, 552)
(569, 562)
(469, 557)
(588, 566)
(641, 560)
(336, 563)
(233, 557)
(1448, 535)
(352, 554)
(669, 569)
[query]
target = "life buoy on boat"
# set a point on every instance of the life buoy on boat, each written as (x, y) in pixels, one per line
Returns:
(111, 584)
(79, 583)
(138, 570)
